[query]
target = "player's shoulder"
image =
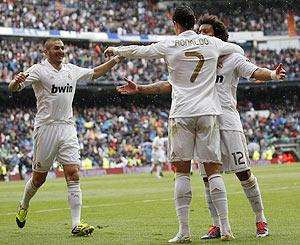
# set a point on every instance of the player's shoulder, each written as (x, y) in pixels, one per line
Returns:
(236, 58)
(34, 68)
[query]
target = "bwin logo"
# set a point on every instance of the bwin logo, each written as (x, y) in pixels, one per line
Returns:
(61, 89)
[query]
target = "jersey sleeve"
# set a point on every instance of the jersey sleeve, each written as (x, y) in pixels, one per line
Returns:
(82, 74)
(33, 76)
(244, 67)
(153, 51)
(227, 48)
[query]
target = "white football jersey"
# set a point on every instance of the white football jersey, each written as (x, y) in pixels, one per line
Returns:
(192, 62)
(230, 69)
(54, 90)
(158, 145)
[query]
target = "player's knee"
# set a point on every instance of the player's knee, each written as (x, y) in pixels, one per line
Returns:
(72, 173)
(38, 182)
(250, 182)
(38, 179)
(182, 167)
(243, 176)
(211, 168)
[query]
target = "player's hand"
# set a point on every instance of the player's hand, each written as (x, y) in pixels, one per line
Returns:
(109, 51)
(280, 72)
(21, 77)
(129, 88)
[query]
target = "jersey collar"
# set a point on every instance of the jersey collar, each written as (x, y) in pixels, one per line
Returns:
(187, 33)
(46, 62)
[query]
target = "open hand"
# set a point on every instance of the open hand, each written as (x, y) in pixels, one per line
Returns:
(280, 72)
(129, 88)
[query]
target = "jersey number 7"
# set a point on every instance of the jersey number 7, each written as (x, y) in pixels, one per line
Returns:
(199, 64)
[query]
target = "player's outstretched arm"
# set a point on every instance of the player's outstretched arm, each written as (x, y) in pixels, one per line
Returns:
(265, 74)
(153, 51)
(102, 69)
(154, 88)
(14, 85)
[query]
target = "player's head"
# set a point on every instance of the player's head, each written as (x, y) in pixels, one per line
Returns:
(160, 132)
(54, 50)
(183, 19)
(210, 25)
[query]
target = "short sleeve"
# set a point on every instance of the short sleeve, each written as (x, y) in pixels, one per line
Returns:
(33, 76)
(82, 74)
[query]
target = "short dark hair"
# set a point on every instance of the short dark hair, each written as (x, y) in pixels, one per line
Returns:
(50, 41)
(218, 26)
(185, 16)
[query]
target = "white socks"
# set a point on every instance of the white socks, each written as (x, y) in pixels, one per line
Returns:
(29, 192)
(252, 192)
(219, 199)
(183, 197)
(158, 171)
(212, 210)
(75, 201)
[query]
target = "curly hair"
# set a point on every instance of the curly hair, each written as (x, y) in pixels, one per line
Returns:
(218, 26)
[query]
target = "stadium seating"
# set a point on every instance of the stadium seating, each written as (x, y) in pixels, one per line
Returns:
(113, 133)
(19, 54)
(140, 17)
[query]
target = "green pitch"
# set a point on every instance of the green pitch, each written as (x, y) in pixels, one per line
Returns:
(139, 209)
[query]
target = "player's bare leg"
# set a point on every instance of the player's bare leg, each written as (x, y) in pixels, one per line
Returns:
(75, 200)
(252, 191)
(182, 197)
(219, 198)
(31, 187)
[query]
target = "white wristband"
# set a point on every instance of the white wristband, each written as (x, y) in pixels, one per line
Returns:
(117, 59)
(21, 86)
(273, 75)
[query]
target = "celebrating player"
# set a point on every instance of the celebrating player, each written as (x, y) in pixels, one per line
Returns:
(55, 136)
(233, 143)
(193, 129)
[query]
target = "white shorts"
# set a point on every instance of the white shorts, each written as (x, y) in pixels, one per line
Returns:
(54, 142)
(235, 156)
(195, 138)
(158, 158)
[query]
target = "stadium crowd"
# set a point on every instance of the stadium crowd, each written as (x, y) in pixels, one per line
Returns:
(19, 54)
(113, 136)
(141, 17)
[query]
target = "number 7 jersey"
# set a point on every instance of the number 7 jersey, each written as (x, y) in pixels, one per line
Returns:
(192, 63)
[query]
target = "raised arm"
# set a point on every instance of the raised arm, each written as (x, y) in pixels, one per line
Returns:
(265, 74)
(154, 88)
(14, 85)
(153, 51)
(104, 68)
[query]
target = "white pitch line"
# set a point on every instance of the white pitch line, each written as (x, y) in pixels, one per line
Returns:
(140, 201)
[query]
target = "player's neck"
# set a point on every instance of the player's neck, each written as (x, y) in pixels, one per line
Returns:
(56, 65)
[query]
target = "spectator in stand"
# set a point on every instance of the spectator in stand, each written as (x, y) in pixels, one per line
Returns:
(138, 17)
(19, 54)
(116, 130)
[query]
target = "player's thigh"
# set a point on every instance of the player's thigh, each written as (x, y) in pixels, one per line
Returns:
(68, 150)
(181, 139)
(207, 143)
(45, 146)
(234, 150)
